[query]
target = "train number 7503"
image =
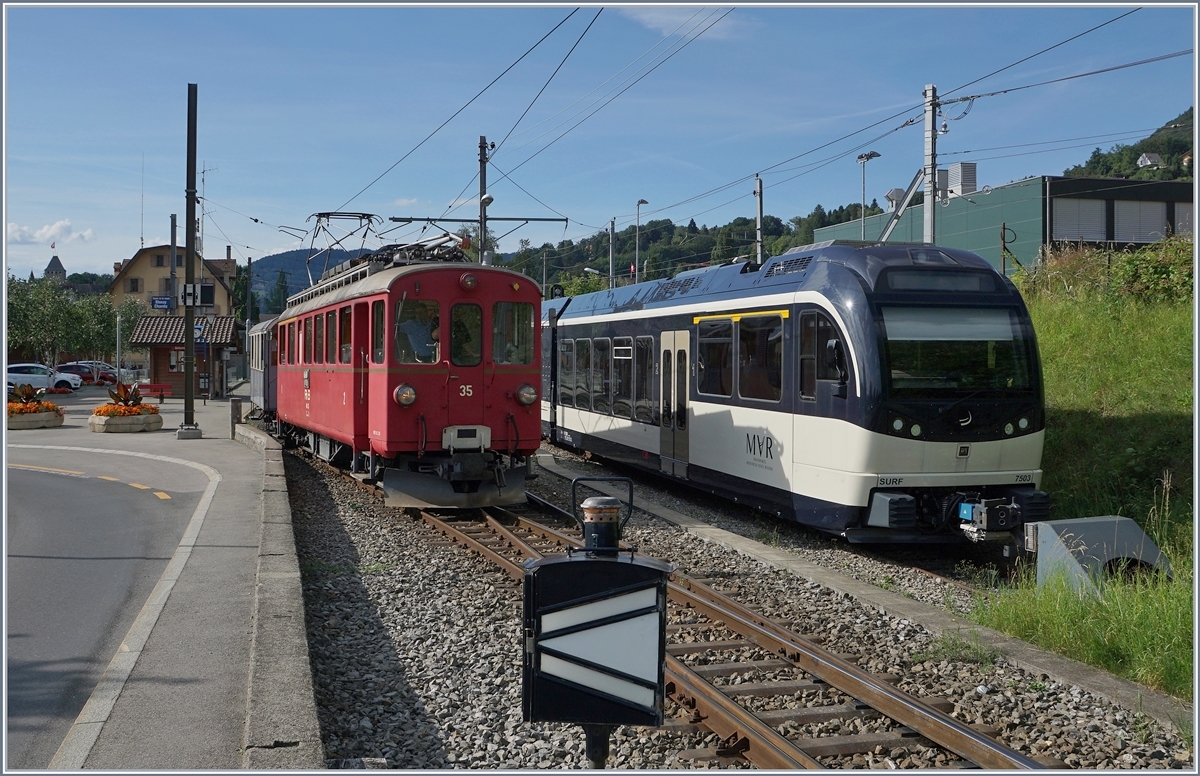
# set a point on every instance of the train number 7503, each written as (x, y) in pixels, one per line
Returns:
(1024, 478)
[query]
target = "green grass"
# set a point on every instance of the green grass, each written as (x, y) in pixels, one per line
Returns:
(1115, 334)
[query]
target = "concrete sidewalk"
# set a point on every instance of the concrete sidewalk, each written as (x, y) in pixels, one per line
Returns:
(214, 672)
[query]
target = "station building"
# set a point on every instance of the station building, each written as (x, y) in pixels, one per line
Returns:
(1008, 225)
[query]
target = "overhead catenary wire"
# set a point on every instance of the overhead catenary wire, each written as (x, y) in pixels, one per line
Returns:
(460, 110)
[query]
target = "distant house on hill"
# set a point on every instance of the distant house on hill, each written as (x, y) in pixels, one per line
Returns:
(1149, 159)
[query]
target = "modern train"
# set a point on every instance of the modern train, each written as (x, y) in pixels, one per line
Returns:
(884, 393)
(413, 365)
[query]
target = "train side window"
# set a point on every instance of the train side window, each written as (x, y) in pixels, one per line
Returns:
(512, 333)
(622, 355)
(466, 333)
(416, 334)
(291, 338)
(319, 338)
(681, 375)
(760, 357)
(815, 331)
(566, 373)
(583, 374)
(331, 337)
(308, 340)
(601, 375)
(714, 357)
(377, 331)
(344, 332)
(643, 370)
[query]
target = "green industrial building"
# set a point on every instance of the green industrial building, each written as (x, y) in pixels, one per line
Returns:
(1017, 219)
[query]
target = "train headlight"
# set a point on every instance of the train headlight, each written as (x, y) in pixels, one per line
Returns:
(405, 395)
(1023, 423)
(1008, 429)
(898, 424)
(468, 281)
(915, 430)
(527, 394)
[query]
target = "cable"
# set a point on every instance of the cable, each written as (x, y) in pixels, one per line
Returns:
(1043, 51)
(1112, 135)
(1072, 77)
(460, 110)
(627, 88)
(548, 80)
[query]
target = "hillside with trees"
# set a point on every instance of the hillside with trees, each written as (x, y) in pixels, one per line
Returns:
(1172, 142)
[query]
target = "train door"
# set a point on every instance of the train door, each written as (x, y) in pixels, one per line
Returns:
(673, 374)
(464, 358)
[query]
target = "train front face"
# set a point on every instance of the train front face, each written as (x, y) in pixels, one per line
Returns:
(457, 414)
(959, 421)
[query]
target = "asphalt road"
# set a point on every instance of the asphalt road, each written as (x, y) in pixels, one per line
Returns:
(86, 545)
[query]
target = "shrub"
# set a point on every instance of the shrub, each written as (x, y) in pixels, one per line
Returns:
(1161, 272)
(125, 395)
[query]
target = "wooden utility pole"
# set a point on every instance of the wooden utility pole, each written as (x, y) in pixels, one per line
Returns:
(188, 429)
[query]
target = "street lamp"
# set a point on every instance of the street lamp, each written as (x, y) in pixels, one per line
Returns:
(637, 239)
(591, 271)
(863, 159)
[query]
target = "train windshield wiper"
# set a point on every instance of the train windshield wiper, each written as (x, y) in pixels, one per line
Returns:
(960, 400)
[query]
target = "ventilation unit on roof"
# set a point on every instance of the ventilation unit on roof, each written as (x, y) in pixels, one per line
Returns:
(789, 266)
(961, 178)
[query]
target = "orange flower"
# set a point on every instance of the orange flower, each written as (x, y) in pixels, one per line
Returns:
(25, 408)
(124, 410)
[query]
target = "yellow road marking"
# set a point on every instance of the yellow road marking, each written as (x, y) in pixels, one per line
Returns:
(139, 487)
(106, 477)
(161, 495)
(41, 468)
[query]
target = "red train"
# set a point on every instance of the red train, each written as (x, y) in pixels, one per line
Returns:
(419, 367)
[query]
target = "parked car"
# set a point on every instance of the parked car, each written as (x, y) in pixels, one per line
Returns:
(89, 373)
(127, 375)
(40, 376)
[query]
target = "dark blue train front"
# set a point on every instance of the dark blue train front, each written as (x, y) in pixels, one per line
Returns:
(885, 393)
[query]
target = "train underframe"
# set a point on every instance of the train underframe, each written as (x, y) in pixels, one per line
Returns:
(969, 514)
(438, 479)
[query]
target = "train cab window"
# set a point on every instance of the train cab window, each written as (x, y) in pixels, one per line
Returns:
(583, 374)
(622, 371)
(344, 330)
(714, 357)
(308, 340)
(643, 372)
(417, 331)
(566, 373)
(512, 333)
(815, 332)
(601, 375)
(377, 331)
(466, 334)
(319, 338)
(760, 357)
(331, 337)
(291, 338)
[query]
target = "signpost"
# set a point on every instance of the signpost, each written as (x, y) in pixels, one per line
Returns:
(595, 632)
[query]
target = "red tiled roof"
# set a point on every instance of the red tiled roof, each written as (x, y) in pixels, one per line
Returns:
(170, 330)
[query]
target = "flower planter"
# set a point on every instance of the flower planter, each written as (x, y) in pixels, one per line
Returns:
(28, 420)
(124, 424)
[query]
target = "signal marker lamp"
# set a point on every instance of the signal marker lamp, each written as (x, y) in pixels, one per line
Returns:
(527, 394)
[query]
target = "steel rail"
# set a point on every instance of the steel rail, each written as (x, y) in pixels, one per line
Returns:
(742, 733)
(902, 707)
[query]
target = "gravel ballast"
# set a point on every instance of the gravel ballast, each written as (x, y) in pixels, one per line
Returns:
(416, 649)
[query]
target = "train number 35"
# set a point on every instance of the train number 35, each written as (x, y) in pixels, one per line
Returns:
(465, 390)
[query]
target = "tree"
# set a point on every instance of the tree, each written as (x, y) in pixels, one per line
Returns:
(240, 280)
(277, 299)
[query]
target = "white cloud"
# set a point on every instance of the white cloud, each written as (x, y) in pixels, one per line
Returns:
(59, 231)
(679, 20)
(405, 201)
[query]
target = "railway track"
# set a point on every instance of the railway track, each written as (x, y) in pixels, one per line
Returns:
(745, 678)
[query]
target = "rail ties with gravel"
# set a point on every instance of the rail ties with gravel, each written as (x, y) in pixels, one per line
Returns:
(715, 645)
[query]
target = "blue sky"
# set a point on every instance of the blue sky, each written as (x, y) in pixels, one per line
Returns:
(301, 108)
